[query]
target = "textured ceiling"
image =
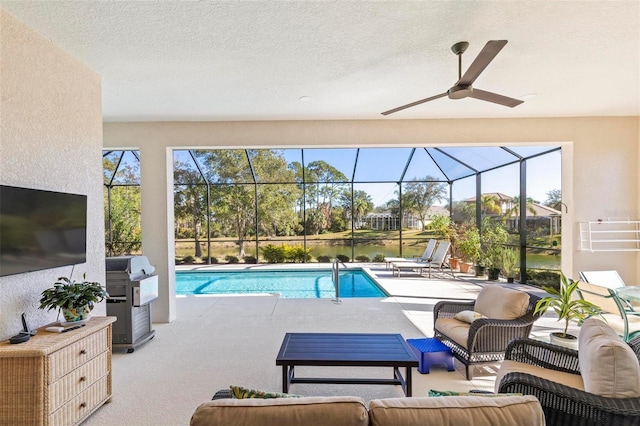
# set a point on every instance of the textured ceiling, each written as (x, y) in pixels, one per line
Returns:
(202, 60)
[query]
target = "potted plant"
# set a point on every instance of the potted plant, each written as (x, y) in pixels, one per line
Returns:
(74, 299)
(493, 236)
(568, 308)
(468, 245)
(509, 263)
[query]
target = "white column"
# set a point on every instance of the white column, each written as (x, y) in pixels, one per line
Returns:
(156, 189)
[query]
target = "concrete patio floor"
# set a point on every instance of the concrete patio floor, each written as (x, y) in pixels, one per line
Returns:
(217, 341)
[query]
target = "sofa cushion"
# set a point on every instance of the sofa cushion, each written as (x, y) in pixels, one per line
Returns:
(312, 411)
(455, 411)
(608, 365)
(501, 303)
(567, 379)
(468, 316)
(456, 330)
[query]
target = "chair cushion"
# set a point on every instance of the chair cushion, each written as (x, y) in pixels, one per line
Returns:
(455, 411)
(312, 411)
(458, 331)
(567, 379)
(608, 365)
(501, 303)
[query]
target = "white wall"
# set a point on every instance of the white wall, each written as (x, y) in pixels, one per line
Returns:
(599, 161)
(50, 138)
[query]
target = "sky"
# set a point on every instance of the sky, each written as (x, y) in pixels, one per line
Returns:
(388, 164)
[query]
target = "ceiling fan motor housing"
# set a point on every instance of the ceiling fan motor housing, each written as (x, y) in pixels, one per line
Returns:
(460, 91)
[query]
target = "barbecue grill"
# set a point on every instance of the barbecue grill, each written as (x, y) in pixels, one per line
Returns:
(132, 285)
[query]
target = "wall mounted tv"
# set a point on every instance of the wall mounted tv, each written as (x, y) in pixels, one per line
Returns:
(41, 229)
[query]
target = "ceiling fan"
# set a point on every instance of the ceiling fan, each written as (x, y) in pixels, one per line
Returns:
(463, 87)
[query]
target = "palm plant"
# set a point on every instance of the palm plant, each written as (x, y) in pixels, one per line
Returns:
(565, 305)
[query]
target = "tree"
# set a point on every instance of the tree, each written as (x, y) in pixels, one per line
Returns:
(123, 233)
(554, 199)
(329, 184)
(490, 204)
(190, 200)
(420, 194)
(362, 204)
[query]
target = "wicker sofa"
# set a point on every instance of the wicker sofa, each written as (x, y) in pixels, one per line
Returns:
(352, 411)
(597, 385)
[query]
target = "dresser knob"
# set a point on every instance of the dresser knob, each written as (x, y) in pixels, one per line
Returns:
(83, 378)
(83, 352)
(83, 405)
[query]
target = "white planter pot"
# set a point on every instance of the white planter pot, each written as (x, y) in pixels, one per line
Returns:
(555, 339)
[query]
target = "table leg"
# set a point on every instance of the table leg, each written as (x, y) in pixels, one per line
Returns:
(407, 380)
(285, 378)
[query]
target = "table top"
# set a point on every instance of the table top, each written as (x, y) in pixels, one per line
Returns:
(351, 349)
(630, 292)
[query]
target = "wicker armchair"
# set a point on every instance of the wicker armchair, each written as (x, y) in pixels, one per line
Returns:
(487, 338)
(564, 405)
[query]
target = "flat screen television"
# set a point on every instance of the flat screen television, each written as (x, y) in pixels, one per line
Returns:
(41, 229)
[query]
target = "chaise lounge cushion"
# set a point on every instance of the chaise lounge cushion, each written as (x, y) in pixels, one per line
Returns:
(607, 364)
(453, 410)
(501, 303)
(312, 411)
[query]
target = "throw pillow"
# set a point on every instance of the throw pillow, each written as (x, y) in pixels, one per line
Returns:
(468, 316)
(433, 393)
(240, 392)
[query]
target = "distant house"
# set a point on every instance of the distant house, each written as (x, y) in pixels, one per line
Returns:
(389, 221)
(544, 216)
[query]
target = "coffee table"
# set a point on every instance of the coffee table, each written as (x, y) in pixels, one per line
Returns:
(346, 349)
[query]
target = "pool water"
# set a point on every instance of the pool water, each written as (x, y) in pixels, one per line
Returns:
(307, 284)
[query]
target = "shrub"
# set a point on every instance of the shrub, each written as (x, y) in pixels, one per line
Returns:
(363, 258)
(378, 258)
(231, 259)
(297, 253)
(273, 254)
(324, 259)
(544, 278)
(342, 258)
(250, 259)
(188, 260)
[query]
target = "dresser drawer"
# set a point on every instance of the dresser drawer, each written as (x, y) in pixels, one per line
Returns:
(78, 380)
(65, 360)
(82, 405)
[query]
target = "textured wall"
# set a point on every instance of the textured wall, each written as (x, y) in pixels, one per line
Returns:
(599, 168)
(50, 138)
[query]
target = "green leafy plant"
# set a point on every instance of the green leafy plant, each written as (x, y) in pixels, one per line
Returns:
(509, 262)
(67, 294)
(565, 305)
(468, 243)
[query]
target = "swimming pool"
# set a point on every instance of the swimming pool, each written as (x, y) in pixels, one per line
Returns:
(300, 284)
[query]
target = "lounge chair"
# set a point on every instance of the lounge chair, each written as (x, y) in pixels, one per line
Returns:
(609, 279)
(426, 256)
(438, 261)
(619, 315)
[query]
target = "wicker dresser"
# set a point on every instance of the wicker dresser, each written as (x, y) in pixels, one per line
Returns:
(56, 378)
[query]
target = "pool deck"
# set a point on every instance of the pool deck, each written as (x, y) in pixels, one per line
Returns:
(217, 341)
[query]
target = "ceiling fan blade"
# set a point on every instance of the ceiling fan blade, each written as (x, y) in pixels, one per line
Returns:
(489, 51)
(412, 104)
(495, 98)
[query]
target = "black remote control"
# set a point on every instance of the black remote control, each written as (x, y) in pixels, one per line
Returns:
(72, 328)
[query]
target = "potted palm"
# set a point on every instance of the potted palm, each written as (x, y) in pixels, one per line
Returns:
(568, 308)
(509, 262)
(75, 299)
